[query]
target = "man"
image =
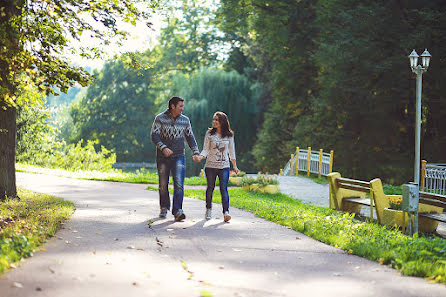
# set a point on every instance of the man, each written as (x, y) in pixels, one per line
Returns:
(168, 132)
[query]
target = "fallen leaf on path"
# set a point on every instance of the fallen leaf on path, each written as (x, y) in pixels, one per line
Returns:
(336, 274)
(39, 289)
(17, 285)
(221, 267)
(140, 249)
(206, 294)
(116, 239)
(131, 247)
(94, 252)
(51, 270)
(170, 229)
(159, 242)
(236, 250)
(135, 284)
(297, 238)
(43, 249)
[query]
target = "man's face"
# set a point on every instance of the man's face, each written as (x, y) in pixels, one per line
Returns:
(177, 110)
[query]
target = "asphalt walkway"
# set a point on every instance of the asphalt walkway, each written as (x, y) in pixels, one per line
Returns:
(114, 245)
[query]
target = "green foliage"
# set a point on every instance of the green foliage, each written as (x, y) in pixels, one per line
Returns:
(27, 223)
(261, 179)
(71, 157)
(117, 111)
(336, 84)
(418, 255)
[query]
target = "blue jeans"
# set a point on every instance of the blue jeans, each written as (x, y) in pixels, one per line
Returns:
(223, 176)
(177, 165)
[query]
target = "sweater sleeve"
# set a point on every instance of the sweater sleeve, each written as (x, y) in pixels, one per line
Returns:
(205, 150)
(190, 138)
(155, 134)
(231, 148)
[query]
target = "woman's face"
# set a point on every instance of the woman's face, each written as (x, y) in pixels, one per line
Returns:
(215, 122)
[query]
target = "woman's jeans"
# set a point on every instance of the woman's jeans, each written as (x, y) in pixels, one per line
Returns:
(177, 165)
(223, 176)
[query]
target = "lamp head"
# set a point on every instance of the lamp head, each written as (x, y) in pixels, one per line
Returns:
(413, 57)
(425, 58)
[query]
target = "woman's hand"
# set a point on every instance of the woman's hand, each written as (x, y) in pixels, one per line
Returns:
(236, 170)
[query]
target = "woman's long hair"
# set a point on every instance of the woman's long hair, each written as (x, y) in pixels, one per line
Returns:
(224, 124)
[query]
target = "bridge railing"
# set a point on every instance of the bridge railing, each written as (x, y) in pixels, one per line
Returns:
(433, 177)
(305, 160)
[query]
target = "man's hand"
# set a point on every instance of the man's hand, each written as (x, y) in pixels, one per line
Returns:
(167, 152)
(197, 158)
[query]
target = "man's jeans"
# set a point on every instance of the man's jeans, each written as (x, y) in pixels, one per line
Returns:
(177, 165)
(223, 176)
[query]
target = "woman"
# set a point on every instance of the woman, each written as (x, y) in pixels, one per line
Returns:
(219, 149)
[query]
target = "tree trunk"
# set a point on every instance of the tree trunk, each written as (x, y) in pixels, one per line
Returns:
(8, 131)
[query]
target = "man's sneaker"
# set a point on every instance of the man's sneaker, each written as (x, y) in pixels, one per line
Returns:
(179, 216)
(163, 212)
(208, 213)
(227, 217)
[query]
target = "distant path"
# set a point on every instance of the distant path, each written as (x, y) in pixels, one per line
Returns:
(108, 249)
(308, 191)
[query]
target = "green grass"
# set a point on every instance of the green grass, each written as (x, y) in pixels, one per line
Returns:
(115, 175)
(423, 256)
(27, 223)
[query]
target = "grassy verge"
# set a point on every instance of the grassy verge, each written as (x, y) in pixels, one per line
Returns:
(115, 175)
(418, 256)
(27, 223)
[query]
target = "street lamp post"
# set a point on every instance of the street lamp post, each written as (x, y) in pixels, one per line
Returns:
(418, 70)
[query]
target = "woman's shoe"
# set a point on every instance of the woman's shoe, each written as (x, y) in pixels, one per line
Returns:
(208, 213)
(227, 217)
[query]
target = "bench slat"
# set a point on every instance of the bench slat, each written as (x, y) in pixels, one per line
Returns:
(433, 196)
(433, 202)
(354, 187)
(344, 180)
(435, 216)
(357, 200)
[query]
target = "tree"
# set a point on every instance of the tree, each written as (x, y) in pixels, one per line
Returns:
(117, 112)
(34, 36)
(278, 37)
(120, 105)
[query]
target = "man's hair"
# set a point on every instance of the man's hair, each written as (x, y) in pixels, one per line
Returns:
(174, 100)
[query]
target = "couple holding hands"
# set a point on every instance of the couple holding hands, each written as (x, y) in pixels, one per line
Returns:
(169, 131)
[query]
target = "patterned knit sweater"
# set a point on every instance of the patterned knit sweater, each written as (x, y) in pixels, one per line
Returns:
(218, 150)
(170, 133)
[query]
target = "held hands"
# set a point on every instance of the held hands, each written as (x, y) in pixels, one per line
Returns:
(197, 158)
(167, 152)
(236, 170)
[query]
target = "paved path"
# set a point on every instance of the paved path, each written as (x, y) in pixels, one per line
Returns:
(108, 249)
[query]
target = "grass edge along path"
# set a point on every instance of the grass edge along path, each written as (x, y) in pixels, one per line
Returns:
(420, 256)
(114, 175)
(27, 223)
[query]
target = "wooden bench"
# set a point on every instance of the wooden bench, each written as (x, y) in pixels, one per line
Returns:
(348, 194)
(430, 208)
(434, 200)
